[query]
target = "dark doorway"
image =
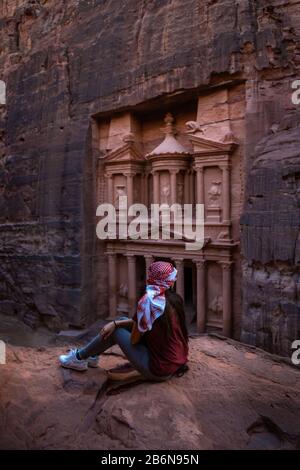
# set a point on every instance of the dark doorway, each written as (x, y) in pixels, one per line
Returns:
(189, 293)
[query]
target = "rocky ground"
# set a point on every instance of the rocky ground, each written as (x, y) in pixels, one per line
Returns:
(233, 396)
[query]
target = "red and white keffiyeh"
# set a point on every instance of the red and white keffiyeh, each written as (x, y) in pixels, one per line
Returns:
(151, 306)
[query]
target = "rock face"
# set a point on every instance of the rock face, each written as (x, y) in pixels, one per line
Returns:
(271, 240)
(200, 408)
(66, 62)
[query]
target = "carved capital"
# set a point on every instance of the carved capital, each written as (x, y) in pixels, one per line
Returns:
(129, 174)
(226, 265)
(225, 167)
(200, 264)
(199, 169)
(179, 262)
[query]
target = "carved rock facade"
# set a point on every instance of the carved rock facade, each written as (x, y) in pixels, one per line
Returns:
(73, 67)
(198, 163)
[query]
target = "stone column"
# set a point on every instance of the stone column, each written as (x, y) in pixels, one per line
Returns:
(200, 185)
(131, 274)
(145, 190)
(226, 295)
(156, 189)
(110, 189)
(186, 192)
(129, 177)
(180, 277)
(226, 193)
(112, 283)
(191, 187)
(173, 180)
(201, 296)
(148, 260)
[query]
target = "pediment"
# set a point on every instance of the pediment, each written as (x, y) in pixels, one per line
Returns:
(202, 145)
(128, 152)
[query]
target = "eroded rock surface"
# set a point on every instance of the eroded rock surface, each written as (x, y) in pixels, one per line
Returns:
(233, 397)
(271, 240)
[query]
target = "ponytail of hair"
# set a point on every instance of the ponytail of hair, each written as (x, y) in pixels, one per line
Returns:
(174, 303)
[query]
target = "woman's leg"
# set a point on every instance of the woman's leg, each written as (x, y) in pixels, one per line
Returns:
(81, 359)
(97, 345)
(137, 354)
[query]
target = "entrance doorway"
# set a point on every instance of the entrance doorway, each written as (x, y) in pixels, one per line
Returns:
(190, 294)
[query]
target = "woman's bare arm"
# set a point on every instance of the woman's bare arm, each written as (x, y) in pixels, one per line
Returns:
(126, 322)
(110, 327)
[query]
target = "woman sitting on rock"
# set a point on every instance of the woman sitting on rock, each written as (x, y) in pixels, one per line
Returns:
(155, 340)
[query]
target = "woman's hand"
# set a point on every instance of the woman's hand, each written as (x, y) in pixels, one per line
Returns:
(107, 330)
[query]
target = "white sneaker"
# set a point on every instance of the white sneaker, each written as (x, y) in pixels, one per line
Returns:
(70, 361)
(93, 361)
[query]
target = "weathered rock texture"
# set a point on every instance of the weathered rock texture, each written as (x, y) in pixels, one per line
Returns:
(198, 410)
(64, 62)
(271, 240)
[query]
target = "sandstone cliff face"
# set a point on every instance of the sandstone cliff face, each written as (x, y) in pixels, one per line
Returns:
(271, 240)
(63, 62)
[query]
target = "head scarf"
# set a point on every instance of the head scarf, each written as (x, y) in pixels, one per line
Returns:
(151, 306)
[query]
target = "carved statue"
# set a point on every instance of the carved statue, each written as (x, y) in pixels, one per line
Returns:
(288, 286)
(123, 290)
(214, 193)
(136, 194)
(123, 306)
(120, 191)
(216, 305)
(193, 126)
(165, 194)
(180, 190)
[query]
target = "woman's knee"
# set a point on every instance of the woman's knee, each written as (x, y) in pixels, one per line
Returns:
(121, 333)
